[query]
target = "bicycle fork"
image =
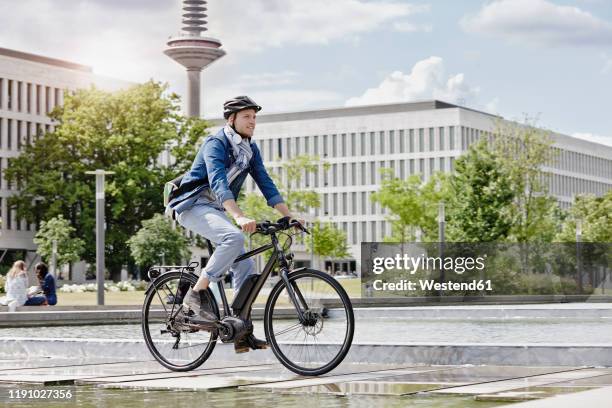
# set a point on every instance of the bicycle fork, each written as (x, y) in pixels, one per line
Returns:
(299, 303)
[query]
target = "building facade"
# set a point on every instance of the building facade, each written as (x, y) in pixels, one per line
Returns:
(30, 87)
(410, 138)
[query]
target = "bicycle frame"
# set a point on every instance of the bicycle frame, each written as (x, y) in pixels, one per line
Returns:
(277, 256)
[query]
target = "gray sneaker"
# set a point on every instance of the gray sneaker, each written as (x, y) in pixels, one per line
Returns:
(199, 303)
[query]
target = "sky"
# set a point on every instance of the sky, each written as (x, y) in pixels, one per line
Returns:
(546, 59)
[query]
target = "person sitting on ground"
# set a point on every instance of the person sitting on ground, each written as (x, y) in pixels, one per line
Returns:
(16, 287)
(47, 283)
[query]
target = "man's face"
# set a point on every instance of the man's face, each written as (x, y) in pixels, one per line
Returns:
(244, 122)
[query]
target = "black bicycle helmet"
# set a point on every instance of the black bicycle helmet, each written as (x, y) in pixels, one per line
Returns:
(237, 104)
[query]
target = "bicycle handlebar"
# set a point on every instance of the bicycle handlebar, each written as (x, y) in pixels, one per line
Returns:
(268, 227)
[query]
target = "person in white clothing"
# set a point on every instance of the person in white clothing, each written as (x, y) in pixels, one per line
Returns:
(16, 287)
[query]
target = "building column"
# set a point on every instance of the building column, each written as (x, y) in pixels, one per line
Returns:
(23, 97)
(4, 90)
(51, 98)
(13, 136)
(3, 133)
(41, 100)
(32, 97)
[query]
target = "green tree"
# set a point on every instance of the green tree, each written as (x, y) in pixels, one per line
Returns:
(329, 241)
(58, 229)
(157, 241)
(595, 214)
(125, 132)
(412, 204)
(523, 149)
(481, 203)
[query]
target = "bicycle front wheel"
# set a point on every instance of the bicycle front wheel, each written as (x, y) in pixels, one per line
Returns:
(318, 343)
(173, 342)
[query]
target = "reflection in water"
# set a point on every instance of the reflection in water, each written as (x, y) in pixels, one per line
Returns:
(92, 397)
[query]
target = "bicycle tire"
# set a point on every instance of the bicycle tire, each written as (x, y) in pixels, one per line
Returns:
(163, 279)
(269, 326)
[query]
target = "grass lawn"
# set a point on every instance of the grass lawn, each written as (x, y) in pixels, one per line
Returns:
(136, 298)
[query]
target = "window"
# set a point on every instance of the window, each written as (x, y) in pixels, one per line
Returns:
(307, 145)
(335, 204)
(344, 203)
(382, 142)
(288, 144)
(325, 177)
(442, 164)
(421, 139)
(354, 232)
(451, 136)
(19, 135)
(362, 144)
(38, 100)
(372, 206)
(18, 101)
(344, 180)
(402, 142)
(363, 231)
(297, 146)
(334, 146)
(431, 140)
(411, 166)
(280, 148)
(325, 204)
(374, 236)
(343, 148)
(2, 85)
(9, 134)
(372, 172)
(353, 144)
(441, 134)
(371, 150)
(353, 174)
(10, 102)
(353, 203)
(364, 206)
(47, 99)
(325, 146)
(411, 141)
(335, 175)
(363, 174)
(392, 142)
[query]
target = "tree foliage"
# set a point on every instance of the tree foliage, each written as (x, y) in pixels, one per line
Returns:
(58, 229)
(125, 132)
(157, 241)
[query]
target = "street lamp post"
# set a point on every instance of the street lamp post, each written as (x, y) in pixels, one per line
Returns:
(100, 174)
(441, 227)
(54, 259)
(578, 254)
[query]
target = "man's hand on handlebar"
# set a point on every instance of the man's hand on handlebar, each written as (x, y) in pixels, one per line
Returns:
(247, 224)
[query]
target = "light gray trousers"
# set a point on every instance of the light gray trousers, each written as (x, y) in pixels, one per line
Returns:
(213, 224)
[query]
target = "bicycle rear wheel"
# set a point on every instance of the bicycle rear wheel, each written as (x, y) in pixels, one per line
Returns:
(319, 343)
(174, 344)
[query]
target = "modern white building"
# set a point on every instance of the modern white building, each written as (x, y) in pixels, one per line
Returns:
(410, 138)
(30, 87)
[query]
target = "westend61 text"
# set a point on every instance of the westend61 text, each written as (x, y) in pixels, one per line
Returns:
(432, 285)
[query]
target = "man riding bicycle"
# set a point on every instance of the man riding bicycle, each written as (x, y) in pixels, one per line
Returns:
(218, 172)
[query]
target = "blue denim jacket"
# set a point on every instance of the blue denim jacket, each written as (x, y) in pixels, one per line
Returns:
(213, 160)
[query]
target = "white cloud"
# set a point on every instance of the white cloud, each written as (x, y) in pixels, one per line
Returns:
(493, 106)
(409, 27)
(607, 67)
(606, 140)
(426, 80)
(539, 22)
(274, 23)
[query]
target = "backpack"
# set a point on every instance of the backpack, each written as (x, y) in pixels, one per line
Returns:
(173, 189)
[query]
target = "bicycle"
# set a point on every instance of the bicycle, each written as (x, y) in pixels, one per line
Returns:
(300, 307)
